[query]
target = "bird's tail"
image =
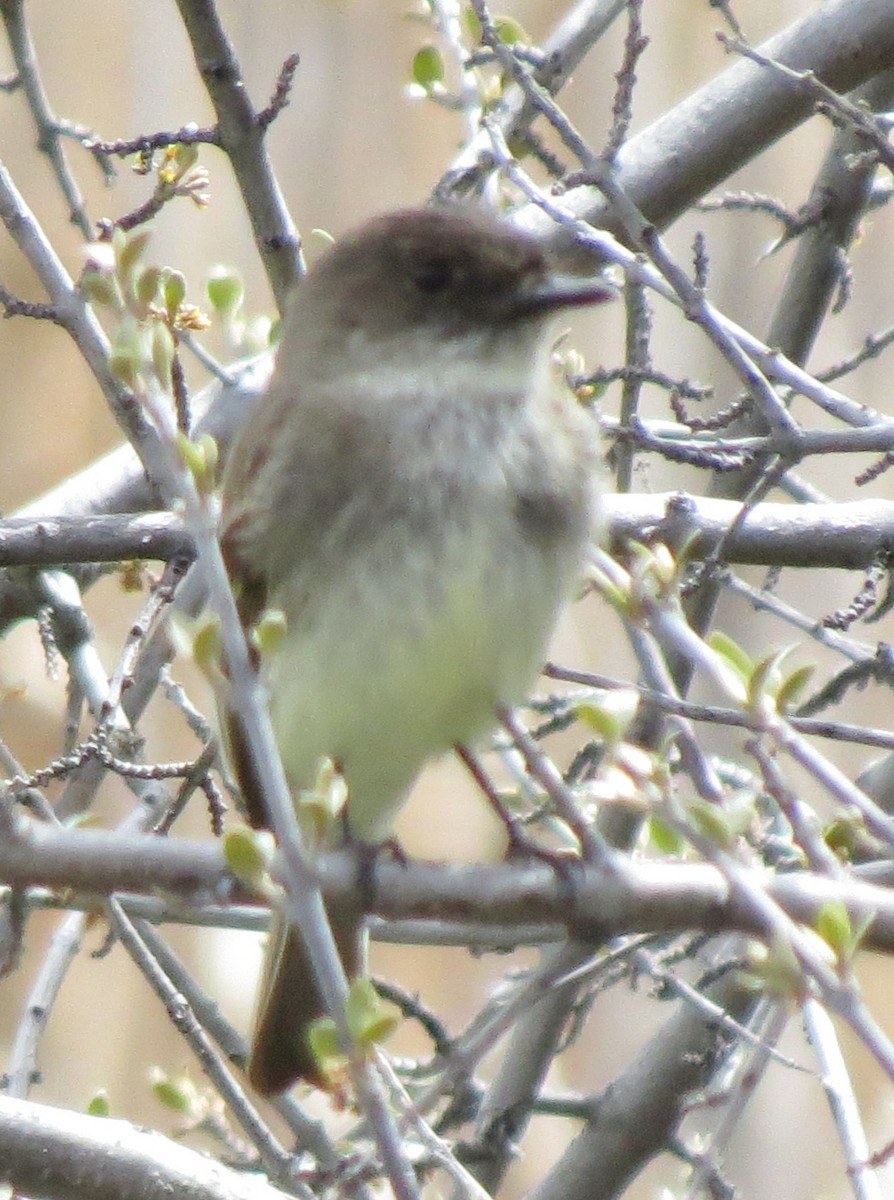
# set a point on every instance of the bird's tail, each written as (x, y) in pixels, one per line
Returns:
(290, 999)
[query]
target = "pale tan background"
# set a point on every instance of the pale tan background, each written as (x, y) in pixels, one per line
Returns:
(350, 144)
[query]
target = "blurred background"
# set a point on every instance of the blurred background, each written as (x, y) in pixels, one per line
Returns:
(354, 142)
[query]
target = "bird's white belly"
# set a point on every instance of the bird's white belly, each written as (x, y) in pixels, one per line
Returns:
(394, 666)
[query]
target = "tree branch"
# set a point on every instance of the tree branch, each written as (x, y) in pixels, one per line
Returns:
(242, 137)
(726, 123)
(64, 1155)
(847, 536)
(645, 897)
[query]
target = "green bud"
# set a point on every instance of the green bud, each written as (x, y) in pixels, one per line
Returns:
(101, 289)
(320, 808)
(664, 837)
(187, 155)
(211, 452)
(146, 285)
(247, 853)
(128, 248)
(173, 290)
(322, 1038)
(174, 1094)
(609, 716)
(732, 653)
(792, 688)
(206, 640)
(162, 352)
(428, 67)
(712, 822)
(370, 1018)
(833, 924)
(201, 459)
(270, 630)
(508, 30)
(470, 24)
(773, 969)
(128, 353)
(98, 1105)
(225, 291)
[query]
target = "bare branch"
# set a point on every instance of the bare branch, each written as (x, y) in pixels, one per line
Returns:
(695, 146)
(242, 132)
(646, 897)
(66, 1155)
(50, 130)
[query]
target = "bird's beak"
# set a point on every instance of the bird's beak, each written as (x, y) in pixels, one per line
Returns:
(558, 291)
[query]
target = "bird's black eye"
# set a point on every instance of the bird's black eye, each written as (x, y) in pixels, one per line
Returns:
(433, 274)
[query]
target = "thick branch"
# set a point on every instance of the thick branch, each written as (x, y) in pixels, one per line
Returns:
(726, 123)
(65, 1155)
(117, 483)
(635, 1117)
(848, 535)
(647, 897)
(57, 541)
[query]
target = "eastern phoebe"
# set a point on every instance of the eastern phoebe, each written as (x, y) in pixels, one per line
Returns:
(415, 493)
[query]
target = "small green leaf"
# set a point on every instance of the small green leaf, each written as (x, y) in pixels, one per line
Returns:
(127, 354)
(125, 369)
(174, 1094)
(848, 837)
(247, 853)
(128, 248)
(186, 155)
(722, 644)
(509, 30)
(190, 453)
(600, 720)
(792, 688)
(370, 1018)
(320, 808)
(225, 291)
(615, 590)
(270, 630)
(833, 924)
(712, 822)
(211, 455)
(519, 146)
(322, 1038)
(470, 24)
(428, 67)
(99, 1105)
(200, 458)
(664, 837)
(146, 285)
(206, 644)
(610, 715)
(765, 679)
(653, 570)
(210, 449)
(773, 969)
(162, 353)
(173, 290)
(101, 289)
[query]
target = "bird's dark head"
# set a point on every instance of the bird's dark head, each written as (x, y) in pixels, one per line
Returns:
(454, 271)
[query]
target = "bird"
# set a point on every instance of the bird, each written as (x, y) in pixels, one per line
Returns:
(415, 493)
